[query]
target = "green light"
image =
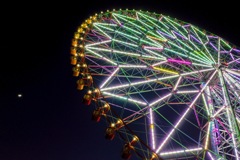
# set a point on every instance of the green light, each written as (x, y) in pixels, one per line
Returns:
(127, 35)
(122, 42)
(102, 32)
(225, 43)
(122, 17)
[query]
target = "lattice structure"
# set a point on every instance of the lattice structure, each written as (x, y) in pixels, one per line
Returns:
(167, 88)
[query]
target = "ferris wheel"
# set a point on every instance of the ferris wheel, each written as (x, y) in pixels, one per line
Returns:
(168, 89)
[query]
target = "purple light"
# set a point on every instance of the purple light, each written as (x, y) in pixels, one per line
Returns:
(196, 39)
(178, 61)
(237, 50)
(224, 51)
(179, 35)
(213, 46)
(231, 56)
(161, 33)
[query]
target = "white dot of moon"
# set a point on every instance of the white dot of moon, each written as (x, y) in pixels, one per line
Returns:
(19, 95)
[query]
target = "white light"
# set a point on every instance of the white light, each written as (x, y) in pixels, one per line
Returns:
(132, 66)
(233, 72)
(159, 100)
(199, 71)
(109, 77)
(186, 112)
(19, 95)
(95, 44)
(125, 98)
(210, 156)
(223, 107)
(152, 128)
(127, 85)
(207, 139)
(176, 85)
(155, 64)
(181, 151)
(189, 91)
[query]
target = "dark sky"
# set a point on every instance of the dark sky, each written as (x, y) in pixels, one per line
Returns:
(49, 122)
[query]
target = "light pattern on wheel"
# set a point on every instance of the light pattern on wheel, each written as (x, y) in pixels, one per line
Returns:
(166, 87)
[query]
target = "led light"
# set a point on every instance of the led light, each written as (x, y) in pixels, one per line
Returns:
(113, 73)
(178, 61)
(165, 70)
(132, 100)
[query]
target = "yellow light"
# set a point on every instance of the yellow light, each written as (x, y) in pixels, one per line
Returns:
(89, 77)
(80, 30)
(119, 121)
(89, 92)
(154, 155)
(106, 105)
(165, 70)
(159, 39)
(76, 35)
(112, 124)
(151, 126)
(81, 55)
(135, 138)
(89, 21)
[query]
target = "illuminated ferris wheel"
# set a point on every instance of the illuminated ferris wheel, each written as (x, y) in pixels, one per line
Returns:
(167, 88)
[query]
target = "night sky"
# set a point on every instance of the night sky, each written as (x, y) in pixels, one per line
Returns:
(49, 121)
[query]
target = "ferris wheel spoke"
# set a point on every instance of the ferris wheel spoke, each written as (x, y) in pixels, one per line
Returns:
(125, 98)
(195, 42)
(185, 113)
(145, 111)
(97, 43)
(128, 20)
(232, 80)
(152, 52)
(234, 61)
(138, 83)
(113, 73)
(219, 53)
(203, 43)
(233, 91)
(181, 153)
(101, 57)
(233, 72)
(103, 32)
(231, 116)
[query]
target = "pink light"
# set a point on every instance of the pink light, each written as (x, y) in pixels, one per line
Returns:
(178, 61)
